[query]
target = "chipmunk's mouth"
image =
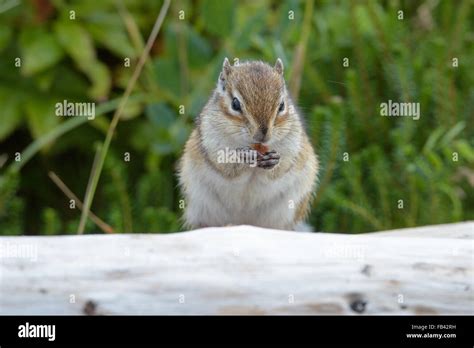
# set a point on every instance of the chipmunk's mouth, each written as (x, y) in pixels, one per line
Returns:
(260, 147)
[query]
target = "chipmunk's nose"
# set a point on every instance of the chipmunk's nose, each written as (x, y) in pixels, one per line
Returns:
(261, 135)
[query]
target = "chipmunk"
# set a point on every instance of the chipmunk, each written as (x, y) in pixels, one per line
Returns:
(250, 105)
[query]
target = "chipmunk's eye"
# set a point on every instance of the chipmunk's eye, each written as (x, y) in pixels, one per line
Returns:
(282, 107)
(236, 105)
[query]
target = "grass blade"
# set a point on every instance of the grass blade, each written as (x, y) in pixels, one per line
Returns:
(62, 186)
(96, 171)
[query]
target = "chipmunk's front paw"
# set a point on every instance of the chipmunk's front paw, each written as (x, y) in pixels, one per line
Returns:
(268, 160)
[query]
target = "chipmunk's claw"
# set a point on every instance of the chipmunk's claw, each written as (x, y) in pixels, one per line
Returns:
(268, 160)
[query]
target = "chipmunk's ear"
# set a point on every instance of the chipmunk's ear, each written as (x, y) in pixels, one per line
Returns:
(279, 66)
(226, 68)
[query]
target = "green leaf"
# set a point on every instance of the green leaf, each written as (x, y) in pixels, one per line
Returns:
(113, 37)
(198, 48)
(69, 83)
(218, 16)
(465, 149)
(433, 140)
(252, 25)
(167, 75)
(101, 80)
(76, 42)
(39, 50)
(5, 35)
(79, 46)
(452, 133)
(131, 110)
(41, 116)
(179, 133)
(160, 115)
(10, 116)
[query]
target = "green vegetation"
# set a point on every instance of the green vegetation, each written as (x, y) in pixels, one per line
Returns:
(371, 165)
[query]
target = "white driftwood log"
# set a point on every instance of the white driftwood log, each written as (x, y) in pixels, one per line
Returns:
(241, 270)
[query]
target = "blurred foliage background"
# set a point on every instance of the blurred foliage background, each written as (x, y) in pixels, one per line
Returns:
(369, 162)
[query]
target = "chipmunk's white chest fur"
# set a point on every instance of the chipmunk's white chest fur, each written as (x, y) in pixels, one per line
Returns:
(248, 199)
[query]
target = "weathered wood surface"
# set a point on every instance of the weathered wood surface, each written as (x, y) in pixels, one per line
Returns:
(241, 270)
